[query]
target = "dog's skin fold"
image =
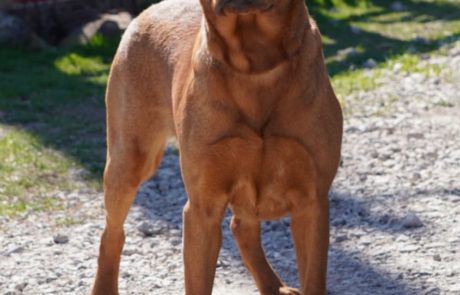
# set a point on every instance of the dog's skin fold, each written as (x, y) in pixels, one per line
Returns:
(243, 87)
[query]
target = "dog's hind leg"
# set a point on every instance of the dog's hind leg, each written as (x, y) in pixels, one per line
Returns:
(247, 235)
(136, 139)
(121, 179)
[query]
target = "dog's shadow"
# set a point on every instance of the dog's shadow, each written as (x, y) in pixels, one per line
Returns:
(162, 199)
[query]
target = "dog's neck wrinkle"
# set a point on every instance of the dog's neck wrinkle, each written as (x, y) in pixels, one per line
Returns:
(256, 48)
(250, 44)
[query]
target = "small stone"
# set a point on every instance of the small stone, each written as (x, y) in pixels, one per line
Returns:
(341, 238)
(20, 287)
(15, 250)
(415, 136)
(397, 6)
(384, 219)
(175, 233)
(437, 257)
(432, 291)
(163, 186)
(50, 279)
(455, 289)
(408, 248)
(366, 241)
(352, 129)
(411, 220)
(355, 30)
(148, 229)
(416, 176)
(128, 252)
(222, 263)
(110, 28)
(61, 239)
(125, 275)
(176, 241)
(13, 30)
(397, 67)
(350, 51)
(370, 64)
(339, 222)
(422, 40)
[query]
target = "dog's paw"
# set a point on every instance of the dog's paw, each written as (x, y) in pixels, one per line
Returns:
(289, 291)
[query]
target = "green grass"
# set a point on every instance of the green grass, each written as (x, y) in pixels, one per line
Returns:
(373, 31)
(51, 122)
(23, 152)
(384, 32)
(52, 107)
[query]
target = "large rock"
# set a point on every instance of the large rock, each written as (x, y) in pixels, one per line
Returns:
(114, 25)
(13, 30)
(108, 25)
(81, 35)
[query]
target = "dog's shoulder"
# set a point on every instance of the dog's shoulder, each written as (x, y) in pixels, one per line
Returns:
(167, 19)
(163, 28)
(175, 12)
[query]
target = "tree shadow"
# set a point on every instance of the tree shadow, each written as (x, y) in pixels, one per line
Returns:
(342, 34)
(65, 111)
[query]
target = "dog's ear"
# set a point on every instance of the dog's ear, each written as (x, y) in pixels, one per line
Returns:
(218, 6)
(210, 8)
(209, 5)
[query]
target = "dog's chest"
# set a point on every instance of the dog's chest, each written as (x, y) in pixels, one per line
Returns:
(248, 142)
(265, 176)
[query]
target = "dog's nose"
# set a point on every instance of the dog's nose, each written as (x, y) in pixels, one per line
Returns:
(239, 6)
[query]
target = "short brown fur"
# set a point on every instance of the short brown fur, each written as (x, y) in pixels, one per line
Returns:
(243, 87)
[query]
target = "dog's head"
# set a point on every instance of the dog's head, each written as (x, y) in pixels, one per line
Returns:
(254, 35)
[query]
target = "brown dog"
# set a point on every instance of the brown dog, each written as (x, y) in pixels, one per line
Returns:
(243, 86)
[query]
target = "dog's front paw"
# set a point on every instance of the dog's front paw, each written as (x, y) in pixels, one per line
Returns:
(288, 291)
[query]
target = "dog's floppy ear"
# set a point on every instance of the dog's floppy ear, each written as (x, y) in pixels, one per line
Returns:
(218, 5)
(210, 10)
(208, 5)
(215, 7)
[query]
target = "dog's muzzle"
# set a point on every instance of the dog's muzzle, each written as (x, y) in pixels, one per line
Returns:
(242, 6)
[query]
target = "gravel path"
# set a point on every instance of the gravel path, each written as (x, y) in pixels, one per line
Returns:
(395, 210)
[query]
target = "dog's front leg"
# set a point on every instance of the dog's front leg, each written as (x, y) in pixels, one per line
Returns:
(247, 235)
(310, 231)
(202, 241)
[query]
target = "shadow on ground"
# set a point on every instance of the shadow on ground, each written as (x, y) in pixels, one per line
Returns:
(64, 110)
(163, 197)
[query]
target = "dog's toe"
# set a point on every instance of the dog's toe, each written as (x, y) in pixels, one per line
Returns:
(289, 291)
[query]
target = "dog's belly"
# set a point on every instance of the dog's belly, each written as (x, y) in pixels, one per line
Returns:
(267, 176)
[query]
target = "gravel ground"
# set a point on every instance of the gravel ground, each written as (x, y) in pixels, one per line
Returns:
(395, 209)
